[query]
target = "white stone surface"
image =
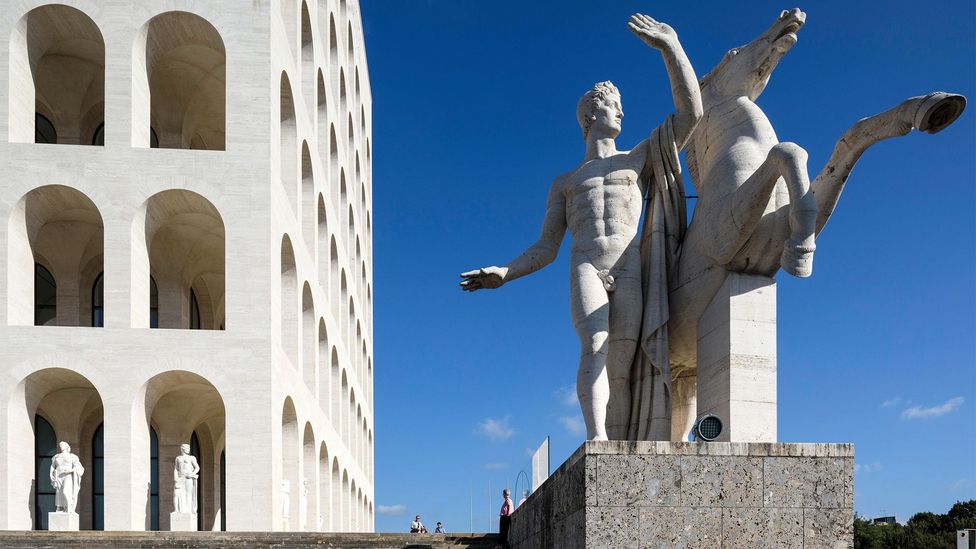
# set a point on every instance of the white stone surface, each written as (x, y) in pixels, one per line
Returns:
(62, 522)
(182, 522)
(266, 203)
(737, 359)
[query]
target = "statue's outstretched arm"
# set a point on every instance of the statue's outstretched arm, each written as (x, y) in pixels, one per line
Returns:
(684, 83)
(537, 256)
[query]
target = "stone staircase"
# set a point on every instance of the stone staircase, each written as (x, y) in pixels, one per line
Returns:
(229, 540)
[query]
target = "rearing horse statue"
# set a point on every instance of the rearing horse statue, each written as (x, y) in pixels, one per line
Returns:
(757, 210)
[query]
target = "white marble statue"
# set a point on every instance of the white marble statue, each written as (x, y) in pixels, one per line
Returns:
(757, 210)
(66, 473)
(636, 299)
(600, 202)
(186, 471)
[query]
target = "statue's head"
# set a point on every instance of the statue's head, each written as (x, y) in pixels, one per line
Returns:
(599, 110)
(185, 448)
(745, 70)
(64, 446)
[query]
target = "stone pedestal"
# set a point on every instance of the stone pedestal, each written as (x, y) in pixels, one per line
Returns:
(182, 522)
(737, 359)
(683, 494)
(62, 522)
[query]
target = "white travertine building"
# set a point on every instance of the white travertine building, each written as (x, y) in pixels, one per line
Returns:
(185, 256)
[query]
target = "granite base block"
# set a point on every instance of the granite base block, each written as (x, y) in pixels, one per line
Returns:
(649, 495)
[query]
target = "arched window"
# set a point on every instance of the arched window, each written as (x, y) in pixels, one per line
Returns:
(44, 131)
(153, 480)
(45, 448)
(223, 491)
(181, 69)
(45, 297)
(98, 478)
(195, 451)
(194, 311)
(98, 302)
(153, 303)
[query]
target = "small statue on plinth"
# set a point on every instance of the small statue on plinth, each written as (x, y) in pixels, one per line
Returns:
(66, 473)
(186, 472)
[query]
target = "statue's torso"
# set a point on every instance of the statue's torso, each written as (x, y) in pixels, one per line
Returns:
(603, 208)
(63, 463)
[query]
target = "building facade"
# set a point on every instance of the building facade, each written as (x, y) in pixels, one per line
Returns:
(185, 257)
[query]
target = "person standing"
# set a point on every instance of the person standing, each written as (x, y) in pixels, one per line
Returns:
(505, 515)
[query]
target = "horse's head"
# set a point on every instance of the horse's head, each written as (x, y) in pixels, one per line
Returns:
(745, 70)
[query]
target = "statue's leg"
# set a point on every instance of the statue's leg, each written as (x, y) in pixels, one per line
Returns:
(684, 391)
(591, 317)
(741, 213)
(626, 307)
(929, 113)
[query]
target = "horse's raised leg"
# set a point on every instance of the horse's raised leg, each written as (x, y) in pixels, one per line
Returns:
(746, 206)
(928, 113)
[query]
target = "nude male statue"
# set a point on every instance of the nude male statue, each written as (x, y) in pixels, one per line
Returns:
(600, 201)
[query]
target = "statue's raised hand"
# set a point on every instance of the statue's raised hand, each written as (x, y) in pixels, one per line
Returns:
(653, 33)
(487, 278)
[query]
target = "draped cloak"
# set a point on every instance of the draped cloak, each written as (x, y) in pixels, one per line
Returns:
(665, 222)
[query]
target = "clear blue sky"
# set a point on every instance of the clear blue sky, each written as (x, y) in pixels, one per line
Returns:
(474, 114)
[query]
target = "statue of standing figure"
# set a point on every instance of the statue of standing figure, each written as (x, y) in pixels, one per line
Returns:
(66, 473)
(600, 202)
(186, 471)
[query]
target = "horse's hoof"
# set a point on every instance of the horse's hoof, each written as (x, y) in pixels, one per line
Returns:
(938, 110)
(798, 259)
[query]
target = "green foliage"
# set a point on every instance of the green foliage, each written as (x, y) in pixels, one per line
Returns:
(923, 531)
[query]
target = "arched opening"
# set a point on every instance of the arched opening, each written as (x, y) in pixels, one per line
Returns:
(57, 77)
(333, 48)
(354, 515)
(308, 60)
(358, 444)
(350, 134)
(351, 52)
(344, 201)
(323, 369)
(309, 338)
(346, 507)
(288, 162)
(334, 393)
(362, 115)
(322, 98)
(55, 251)
(336, 497)
(290, 449)
(289, 302)
(334, 269)
(47, 407)
(362, 109)
(333, 159)
(309, 514)
(351, 426)
(343, 104)
(308, 201)
(323, 245)
(98, 478)
(344, 304)
(184, 408)
(324, 523)
(98, 301)
(369, 457)
(351, 234)
(186, 245)
(182, 97)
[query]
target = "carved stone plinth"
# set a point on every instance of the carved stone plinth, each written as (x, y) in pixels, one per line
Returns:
(683, 494)
(737, 359)
(183, 522)
(62, 522)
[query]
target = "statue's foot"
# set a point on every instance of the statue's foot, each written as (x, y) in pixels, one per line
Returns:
(797, 259)
(600, 437)
(937, 110)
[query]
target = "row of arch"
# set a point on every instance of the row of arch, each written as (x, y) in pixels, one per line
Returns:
(318, 494)
(57, 404)
(305, 334)
(56, 245)
(58, 72)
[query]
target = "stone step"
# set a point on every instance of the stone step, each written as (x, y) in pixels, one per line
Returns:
(233, 540)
